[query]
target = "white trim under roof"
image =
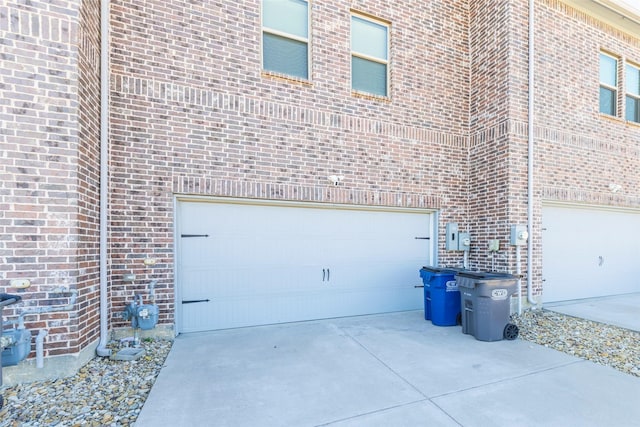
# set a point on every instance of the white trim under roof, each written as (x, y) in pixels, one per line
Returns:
(627, 5)
(621, 14)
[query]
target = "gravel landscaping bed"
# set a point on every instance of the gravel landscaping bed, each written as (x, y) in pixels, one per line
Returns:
(604, 344)
(103, 393)
(111, 393)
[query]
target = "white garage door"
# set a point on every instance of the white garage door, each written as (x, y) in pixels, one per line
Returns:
(589, 252)
(250, 264)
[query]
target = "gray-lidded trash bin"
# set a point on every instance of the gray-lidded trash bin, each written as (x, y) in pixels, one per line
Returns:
(485, 303)
(5, 300)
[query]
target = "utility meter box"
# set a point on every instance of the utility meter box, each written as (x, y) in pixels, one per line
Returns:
(451, 240)
(456, 240)
(19, 347)
(519, 235)
(464, 241)
(147, 316)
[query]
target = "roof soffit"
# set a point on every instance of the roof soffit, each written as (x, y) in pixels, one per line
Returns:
(621, 14)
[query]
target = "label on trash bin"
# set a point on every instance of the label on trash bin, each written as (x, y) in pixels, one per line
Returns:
(452, 286)
(499, 294)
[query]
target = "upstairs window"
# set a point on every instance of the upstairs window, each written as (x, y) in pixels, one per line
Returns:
(285, 37)
(632, 79)
(369, 56)
(608, 84)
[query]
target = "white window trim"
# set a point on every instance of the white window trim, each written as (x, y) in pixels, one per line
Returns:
(372, 58)
(614, 89)
(307, 40)
(629, 94)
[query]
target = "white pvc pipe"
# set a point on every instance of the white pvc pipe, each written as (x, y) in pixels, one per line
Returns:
(530, 156)
(102, 349)
(519, 273)
(40, 348)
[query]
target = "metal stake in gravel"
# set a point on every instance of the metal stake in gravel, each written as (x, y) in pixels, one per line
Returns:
(5, 300)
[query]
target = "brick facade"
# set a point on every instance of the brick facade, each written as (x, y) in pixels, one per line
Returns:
(48, 215)
(193, 113)
(206, 120)
(579, 151)
(489, 150)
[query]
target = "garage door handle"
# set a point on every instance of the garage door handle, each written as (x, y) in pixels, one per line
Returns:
(191, 301)
(328, 274)
(323, 274)
(423, 238)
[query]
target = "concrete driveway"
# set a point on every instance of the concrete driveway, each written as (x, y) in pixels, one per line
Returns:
(382, 370)
(618, 310)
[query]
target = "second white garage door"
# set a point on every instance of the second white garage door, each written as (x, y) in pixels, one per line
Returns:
(589, 252)
(249, 264)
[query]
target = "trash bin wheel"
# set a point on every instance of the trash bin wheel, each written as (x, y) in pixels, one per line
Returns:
(1, 402)
(459, 319)
(511, 332)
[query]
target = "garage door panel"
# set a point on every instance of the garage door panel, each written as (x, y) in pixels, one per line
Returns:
(238, 282)
(205, 251)
(388, 274)
(195, 250)
(292, 307)
(589, 253)
(265, 264)
(240, 297)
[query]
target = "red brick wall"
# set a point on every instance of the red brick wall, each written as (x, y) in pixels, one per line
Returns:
(194, 114)
(497, 44)
(579, 152)
(49, 198)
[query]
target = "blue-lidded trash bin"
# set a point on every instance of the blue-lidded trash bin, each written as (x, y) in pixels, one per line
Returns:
(441, 296)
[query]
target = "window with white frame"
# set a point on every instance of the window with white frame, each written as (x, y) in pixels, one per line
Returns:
(632, 106)
(608, 84)
(285, 37)
(369, 55)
